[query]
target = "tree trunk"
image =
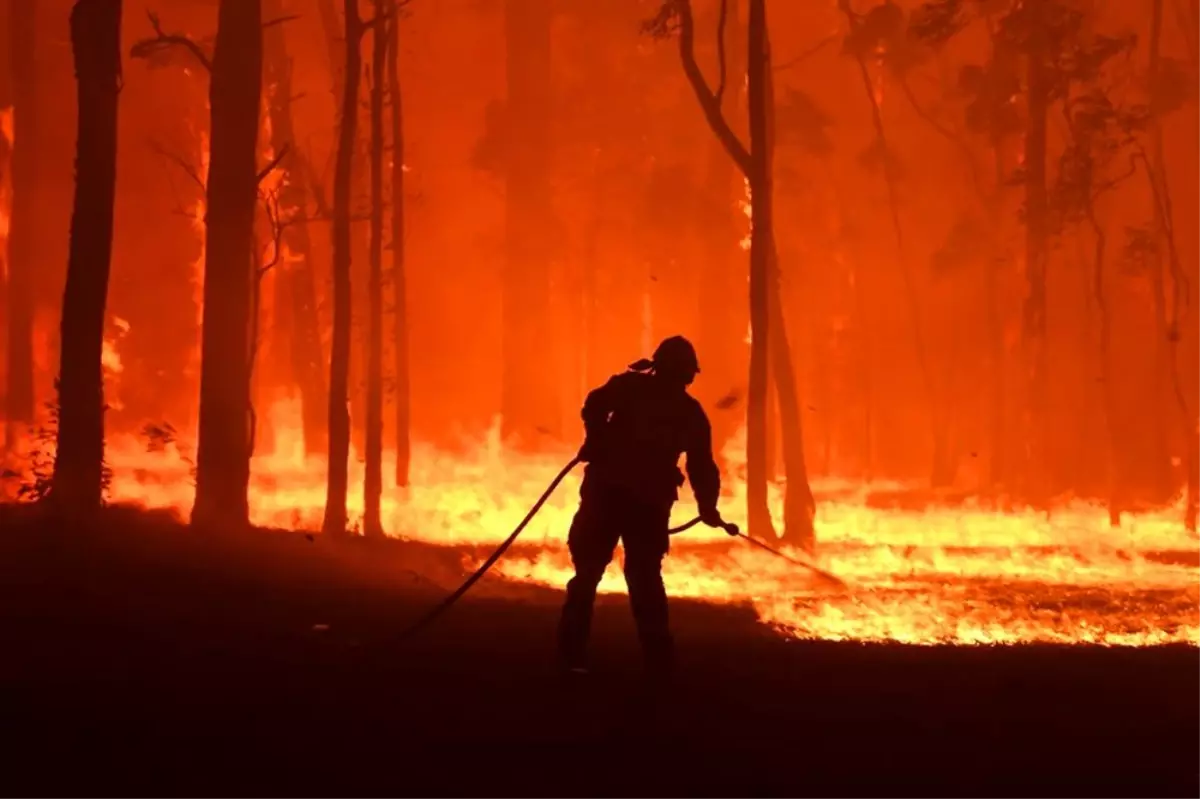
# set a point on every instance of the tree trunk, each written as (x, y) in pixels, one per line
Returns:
(998, 434)
(722, 329)
(337, 486)
(298, 289)
(758, 510)
(373, 475)
(22, 243)
(399, 278)
(798, 504)
(1036, 257)
(529, 402)
(1106, 383)
(1170, 325)
(1162, 358)
(335, 48)
(79, 459)
(223, 450)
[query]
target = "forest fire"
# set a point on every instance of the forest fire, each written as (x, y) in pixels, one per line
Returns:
(959, 351)
(949, 575)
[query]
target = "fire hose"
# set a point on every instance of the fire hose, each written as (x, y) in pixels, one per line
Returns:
(728, 527)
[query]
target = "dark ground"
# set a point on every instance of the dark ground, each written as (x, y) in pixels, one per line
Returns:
(146, 659)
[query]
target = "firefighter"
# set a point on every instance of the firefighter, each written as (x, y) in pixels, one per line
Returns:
(636, 426)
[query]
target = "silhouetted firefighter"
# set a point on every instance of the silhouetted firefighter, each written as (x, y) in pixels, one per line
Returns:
(637, 425)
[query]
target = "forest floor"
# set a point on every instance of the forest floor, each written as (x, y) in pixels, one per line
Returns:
(143, 658)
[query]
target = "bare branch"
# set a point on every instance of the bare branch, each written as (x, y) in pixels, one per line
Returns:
(710, 103)
(182, 163)
(724, 12)
(269, 168)
(147, 48)
(806, 54)
(280, 20)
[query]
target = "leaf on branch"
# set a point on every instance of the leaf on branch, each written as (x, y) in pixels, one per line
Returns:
(665, 22)
(874, 31)
(935, 23)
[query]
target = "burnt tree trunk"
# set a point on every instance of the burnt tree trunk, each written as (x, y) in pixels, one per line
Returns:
(529, 401)
(297, 289)
(79, 458)
(755, 164)
(1033, 331)
(998, 462)
(1170, 324)
(798, 504)
(337, 485)
(759, 174)
(399, 279)
(223, 450)
(22, 243)
(1162, 359)
(1109, 399)
(373, 475)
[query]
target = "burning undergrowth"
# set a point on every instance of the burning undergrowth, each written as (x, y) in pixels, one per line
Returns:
(961, 575)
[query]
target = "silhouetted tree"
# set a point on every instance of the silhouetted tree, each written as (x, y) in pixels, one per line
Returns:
(1169, 86)
(79, 456)
(295, 278)
(373, 474)
(224, 445)
(722, 330)
(768, 333)
(337, 486)
(22, 242)
(399, 278)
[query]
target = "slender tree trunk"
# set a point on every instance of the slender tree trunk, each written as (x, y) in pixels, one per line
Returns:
(722, 329)
(798, 504)
(335, 48)
(298, 289)
(79, 460)
(529, 403)
(223, 451)
(1172, 324)
(373, 475)
(1109, 403)
(22, 241)
(1163, 364)
(399, 277)
(337, 486)
(998, 434)
(758, 511)
(1036, 258)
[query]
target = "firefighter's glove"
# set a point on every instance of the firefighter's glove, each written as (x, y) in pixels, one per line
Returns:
(712, 517)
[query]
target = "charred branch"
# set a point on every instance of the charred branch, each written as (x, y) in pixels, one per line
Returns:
(710, 100)
(274, 163)
(163, 41)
